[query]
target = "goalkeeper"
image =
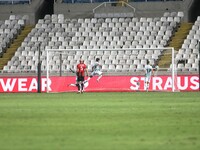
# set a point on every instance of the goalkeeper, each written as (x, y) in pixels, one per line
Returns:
(81, 69)
(96, 70)
(76, 82)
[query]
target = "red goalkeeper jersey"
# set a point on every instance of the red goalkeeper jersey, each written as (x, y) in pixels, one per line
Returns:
(81, 69)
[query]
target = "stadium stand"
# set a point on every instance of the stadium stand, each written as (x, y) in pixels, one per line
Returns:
(14, 28)
(57, 32)
(9, 29)
(104, 32)
(188, 55)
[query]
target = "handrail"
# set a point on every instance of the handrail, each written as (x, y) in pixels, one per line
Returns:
(105, 3)
(129, 5)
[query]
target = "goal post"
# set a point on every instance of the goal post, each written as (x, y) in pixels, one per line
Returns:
(59, 61)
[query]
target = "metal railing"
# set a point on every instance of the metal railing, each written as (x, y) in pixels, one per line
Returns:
(118, 2)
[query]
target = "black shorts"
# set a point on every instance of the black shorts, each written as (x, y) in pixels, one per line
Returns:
(80, 78)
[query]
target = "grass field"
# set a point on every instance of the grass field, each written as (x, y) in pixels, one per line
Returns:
(100, 121)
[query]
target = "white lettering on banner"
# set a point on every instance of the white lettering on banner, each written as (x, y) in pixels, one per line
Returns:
(22, 84)
(194, 80)
(157, 83)
(134, 81)
(143, 80)
(8, 86)
(185, 83)
(44, 84)
(33, 85)
(168, 83)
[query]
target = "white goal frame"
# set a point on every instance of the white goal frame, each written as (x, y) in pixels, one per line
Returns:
(122, 49)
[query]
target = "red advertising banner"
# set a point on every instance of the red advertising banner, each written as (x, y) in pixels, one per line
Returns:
(106, 84)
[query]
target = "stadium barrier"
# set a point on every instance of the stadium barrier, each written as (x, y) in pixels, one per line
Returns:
(106, 84)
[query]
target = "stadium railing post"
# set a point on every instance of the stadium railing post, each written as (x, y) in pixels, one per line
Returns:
(39, 73)
(60, 65)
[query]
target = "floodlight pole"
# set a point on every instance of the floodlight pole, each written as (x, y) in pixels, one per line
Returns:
(39, 73)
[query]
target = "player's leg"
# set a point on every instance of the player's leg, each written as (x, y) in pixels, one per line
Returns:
(79, 84)
(148, 81)
(82, 84)
(79, 88)
(82, 87)
(88, 79)
(74, 84)
(147, 89)
(91, 75)
(100, 74)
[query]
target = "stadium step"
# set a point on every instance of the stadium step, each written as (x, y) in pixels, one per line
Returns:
(120, 3)
(16, 43)
(179, 36)
(176, 42)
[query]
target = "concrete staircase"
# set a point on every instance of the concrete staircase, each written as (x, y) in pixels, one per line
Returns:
(13, 47)
(120, 3)
(176, 42)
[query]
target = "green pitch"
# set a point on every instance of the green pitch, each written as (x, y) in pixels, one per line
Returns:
(100, 121)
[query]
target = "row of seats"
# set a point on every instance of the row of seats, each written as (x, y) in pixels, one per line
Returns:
(9, 29)
(137, 57)
(188, 55)
(59, 33)
(67, 37)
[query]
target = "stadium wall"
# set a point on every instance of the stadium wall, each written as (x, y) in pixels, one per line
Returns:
(38, 8)
(34, 10)
(194, 11)
(143, 9)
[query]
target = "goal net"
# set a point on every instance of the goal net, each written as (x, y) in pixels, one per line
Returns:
(123, 69)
